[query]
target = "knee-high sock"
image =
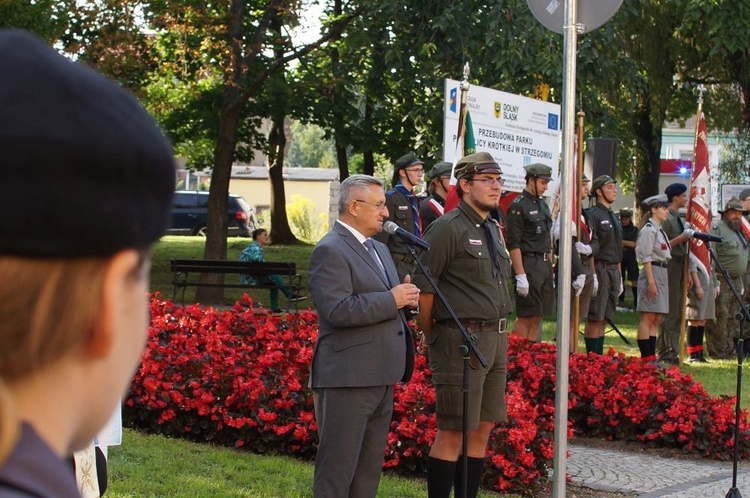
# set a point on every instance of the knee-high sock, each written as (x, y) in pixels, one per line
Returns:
(440, 475)
(695, 339)
(600, 345)
(591, 343)
(475, 468)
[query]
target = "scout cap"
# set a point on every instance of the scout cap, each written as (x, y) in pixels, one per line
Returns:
(479, 162)
(538, 170)
(744, 194)
(407, 160)
(584, 178)
(440, 169)
(85, 170)
(733, 204)
(656, 200)
(675, 189)
(626, 213)
(601, 181)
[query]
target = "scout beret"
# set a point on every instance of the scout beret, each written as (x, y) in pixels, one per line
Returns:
(407, 160)
(479, 162)
(601, 181)
(733, 204)
(626, 213)
(675, 189)
(538, 170)
(440, 169)
(84, 171)
(744, 194)
(656, 200)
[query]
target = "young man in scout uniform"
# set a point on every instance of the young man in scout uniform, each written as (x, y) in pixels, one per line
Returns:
(403, 209)
(438, 181)
(528, 226)
(606, 262)
(471, 267)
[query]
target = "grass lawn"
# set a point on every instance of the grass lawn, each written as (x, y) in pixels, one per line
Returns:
(155, 466)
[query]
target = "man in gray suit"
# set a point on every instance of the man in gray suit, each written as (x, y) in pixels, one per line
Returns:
(363, 346)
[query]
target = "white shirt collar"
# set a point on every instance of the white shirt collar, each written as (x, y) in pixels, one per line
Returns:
(361, 238)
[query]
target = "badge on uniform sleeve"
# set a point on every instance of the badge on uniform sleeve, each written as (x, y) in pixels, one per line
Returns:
(475, 242)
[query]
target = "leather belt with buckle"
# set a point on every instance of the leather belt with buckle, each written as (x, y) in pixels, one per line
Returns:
(542, 255)
(493, 326)
(662, 264)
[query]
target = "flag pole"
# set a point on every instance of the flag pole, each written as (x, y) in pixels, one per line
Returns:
(578, 204)
(686, 263)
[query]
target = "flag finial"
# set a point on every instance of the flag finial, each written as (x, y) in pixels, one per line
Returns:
(465, 81)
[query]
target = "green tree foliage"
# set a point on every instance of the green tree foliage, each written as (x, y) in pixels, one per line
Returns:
(310, 148)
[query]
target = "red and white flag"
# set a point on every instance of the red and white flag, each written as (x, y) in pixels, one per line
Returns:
(699, 208)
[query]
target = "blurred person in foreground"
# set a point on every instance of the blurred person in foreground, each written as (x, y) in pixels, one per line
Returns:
(471, 267)
(73, 307)
(364, 346)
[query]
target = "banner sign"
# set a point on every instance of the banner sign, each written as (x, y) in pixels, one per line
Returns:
(516, 130)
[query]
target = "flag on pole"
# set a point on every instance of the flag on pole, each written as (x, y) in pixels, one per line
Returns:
(699, 209)
(465, 145)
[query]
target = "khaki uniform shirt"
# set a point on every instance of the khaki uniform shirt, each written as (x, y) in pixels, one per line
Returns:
(460, 262)
(733, 252)
(609, 233)
(653, 243)
(529, 224)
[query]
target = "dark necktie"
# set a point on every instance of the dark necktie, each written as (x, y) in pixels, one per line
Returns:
(492, 246)
(371, 251)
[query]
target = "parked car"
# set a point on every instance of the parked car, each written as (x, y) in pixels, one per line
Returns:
(190, 214)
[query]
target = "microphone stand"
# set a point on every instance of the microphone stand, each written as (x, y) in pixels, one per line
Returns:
(743, 316)
(465, 351)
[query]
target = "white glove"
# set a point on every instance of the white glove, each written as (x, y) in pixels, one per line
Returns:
(584, 249)
(688, 232)
(596, 285)
(689, 225)
(578, 284)
(620, 288)
(522, 285)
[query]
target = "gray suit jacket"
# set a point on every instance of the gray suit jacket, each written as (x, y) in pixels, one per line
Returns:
(361, 339)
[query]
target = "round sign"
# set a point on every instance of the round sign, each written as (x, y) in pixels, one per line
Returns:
(591, 14)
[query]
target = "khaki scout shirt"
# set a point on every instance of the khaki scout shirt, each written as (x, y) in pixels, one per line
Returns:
(609, 233)
(653, 243)
(673, 227)
(733, 252)
(460, 262)
(529, 224)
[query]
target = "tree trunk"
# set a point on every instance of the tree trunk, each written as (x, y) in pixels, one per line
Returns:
(342, 161)
(649, 155)
(368, 165)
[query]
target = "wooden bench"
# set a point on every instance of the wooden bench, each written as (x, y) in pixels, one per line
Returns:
(183, 268)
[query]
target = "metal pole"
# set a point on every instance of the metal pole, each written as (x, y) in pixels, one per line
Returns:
(570, 33)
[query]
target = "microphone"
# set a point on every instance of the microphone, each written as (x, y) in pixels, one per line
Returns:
(708, 237)
(407, 237)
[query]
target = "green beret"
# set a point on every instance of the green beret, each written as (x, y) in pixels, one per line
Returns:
(656, 200)
(480, 162)
(407, 160)
(538, 170)
(601, 181)
(440, 169)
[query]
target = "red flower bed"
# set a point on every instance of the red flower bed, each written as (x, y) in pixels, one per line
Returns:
(239, 378)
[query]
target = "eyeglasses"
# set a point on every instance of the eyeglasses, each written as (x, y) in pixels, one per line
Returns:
(415, 170)
(488, 182)
(377, 205)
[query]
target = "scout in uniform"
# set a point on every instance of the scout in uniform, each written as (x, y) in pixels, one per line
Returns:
(723, 333)
(653, 251)
(403, 210)
(606, 261)
(471, 267)
(668, 338)
(528, 226)
(438, 181)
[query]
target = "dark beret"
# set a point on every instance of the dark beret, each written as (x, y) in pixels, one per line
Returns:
(538, 170)
(744, 194)
(84, 170)
(407, 160)
(675, 189)
(480, 162)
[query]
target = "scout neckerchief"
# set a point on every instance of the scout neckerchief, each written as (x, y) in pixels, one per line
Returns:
(414, 208)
